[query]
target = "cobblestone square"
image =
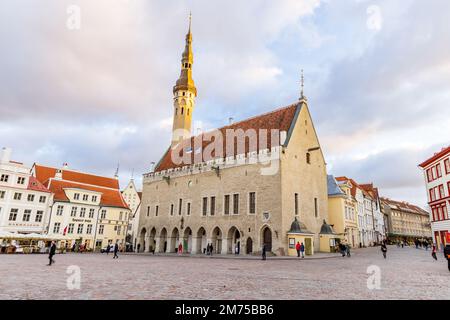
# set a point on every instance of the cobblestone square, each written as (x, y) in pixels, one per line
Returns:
(407, 273)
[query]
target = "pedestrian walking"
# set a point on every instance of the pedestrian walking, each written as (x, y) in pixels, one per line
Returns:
(384, 249)
(211, 248)
(402, 243)
(433, 252)
(108, 248)
(297, 247)
(302, 250)
(447, 255)
(180, 248)
(138, 247)
(342, 249)
(264, 252)
(51, 253)
(116, 249)
(348, 251)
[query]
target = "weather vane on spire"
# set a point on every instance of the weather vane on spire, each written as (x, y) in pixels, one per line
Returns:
(190, 20)
(302, 84)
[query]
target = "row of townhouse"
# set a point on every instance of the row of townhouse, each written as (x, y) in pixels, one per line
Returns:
(67, 205)
(355, 212)
(361, 217)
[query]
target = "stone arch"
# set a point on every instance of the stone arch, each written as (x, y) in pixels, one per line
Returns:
(187, 240)
(142, 236)
(152, 240)
(266, 238)
(163, 240)
(174, 239)
(234, 240)
(201, 240)
(249, 246)
(216, 240)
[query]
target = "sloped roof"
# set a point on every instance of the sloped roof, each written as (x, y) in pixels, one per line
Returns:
(281, 119)
(35, 185)
(436, 156)
(333, 188)
(108, 198)
(403, 205)
(355, 186)
(44, 173)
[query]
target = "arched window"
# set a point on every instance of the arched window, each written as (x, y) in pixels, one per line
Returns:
(308, 158)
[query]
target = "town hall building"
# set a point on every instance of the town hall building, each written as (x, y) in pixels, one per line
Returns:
(253, 183)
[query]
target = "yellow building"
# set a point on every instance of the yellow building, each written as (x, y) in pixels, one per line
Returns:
(342, 211)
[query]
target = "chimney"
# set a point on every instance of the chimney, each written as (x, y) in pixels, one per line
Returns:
(5, 155)
(230, 120)
(58, 174)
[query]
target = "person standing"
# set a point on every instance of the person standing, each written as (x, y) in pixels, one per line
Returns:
(297, 247)
(384, 249)
(180, 248)
(447, 255)
(302, 250)
(51, 253)
(433, 252)
(348, 250)
(116, 249)
(108, 248)
(264, 252)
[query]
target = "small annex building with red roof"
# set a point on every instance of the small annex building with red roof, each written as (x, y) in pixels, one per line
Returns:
(88, 209)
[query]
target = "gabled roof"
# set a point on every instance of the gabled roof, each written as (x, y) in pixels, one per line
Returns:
(355, 186)
(435, 157)
(35, 185)
(280, 119)
(44, 173)
(373, 192)
(108, 198)
(333, 187)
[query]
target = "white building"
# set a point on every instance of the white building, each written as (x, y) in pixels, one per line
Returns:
(88, 209)
(133, 199)
(24, 201)
(437, 180)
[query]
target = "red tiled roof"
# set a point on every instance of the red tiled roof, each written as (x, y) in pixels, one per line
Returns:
(354, 184)
(404, 205)
(280, 119)
(368, 187)
(110, 198)
(35, 185)
(436, 156)
(43, 174)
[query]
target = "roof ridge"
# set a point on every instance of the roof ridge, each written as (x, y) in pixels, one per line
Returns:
(76, 171)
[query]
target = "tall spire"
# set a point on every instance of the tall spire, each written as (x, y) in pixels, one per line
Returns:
(185, 81)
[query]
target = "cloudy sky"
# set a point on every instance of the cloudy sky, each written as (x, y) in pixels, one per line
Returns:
(100, 92)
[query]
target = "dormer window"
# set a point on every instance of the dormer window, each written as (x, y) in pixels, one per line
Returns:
(85, 197)
(76, 196)
(94, 198)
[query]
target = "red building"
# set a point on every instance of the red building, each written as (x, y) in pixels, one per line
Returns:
(437, 180)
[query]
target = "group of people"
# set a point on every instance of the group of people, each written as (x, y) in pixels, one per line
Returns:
(344, 249)
(209, 249)
(115, 250)
(420, 243)
(300, 247)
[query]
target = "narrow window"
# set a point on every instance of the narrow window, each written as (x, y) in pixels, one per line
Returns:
(156, 211)
(316, 211)
(213, 206)
(308, 158)
(205, 205)
(148, 211)
(296, 204)
(182, 110)
(252, 202)
(236, 203)
(227, 204)
(188, 209)
(180, 205)
(171, 209)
